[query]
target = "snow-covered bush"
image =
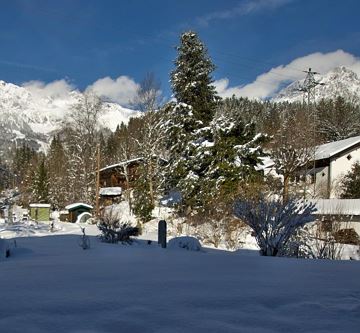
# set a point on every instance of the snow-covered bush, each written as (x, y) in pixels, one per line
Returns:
(185, 242)
(114, 231)
(274, 222)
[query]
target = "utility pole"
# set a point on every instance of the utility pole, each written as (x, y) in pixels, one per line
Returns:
(97, 179)
(308, 88)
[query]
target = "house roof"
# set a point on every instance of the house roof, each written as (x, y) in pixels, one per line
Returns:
(123, 163)
(337, 206)
(39, 205)
(324, 151)
(330, 149)
(78, 204)
(110, 191)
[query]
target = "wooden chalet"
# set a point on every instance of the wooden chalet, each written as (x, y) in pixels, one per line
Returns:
(124, 173)
(120, 174)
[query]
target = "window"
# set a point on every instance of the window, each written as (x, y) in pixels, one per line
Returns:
(349, 157)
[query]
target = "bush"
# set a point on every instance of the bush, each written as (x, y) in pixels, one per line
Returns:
(274, 222)
(112, 231)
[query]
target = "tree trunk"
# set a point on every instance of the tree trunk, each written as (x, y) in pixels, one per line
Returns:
(286, 188)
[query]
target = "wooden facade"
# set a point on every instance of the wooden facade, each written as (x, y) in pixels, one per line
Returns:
(121, 174)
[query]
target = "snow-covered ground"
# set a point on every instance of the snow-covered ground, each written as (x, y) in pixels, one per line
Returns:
(50, 284)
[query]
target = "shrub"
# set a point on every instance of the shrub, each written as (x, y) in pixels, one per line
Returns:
(274, 222)
(113, 231)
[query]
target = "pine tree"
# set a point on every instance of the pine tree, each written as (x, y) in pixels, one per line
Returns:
(213, 145)
(237, 150)
(351, 183)
(186, 125)
(142, 200)
(57, 163)
(191, 79)
(41, 183)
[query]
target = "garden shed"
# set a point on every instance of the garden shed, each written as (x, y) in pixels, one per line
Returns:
(76, 209)
(40, 212)
(110, 195)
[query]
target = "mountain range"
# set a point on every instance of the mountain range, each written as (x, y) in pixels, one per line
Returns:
(27, 114)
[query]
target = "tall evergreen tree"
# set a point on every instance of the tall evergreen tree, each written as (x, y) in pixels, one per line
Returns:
(191, 80)
(208, 155)
(57, 163)
(351, 183)
(41, 183)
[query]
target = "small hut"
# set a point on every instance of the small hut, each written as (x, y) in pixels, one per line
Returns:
(110, 195)
(76, 209)
(40, 212)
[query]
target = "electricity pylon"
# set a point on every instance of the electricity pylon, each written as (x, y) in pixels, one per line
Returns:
(308, 87)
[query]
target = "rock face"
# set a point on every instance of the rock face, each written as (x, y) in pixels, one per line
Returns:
(338, 82)
(25, 114)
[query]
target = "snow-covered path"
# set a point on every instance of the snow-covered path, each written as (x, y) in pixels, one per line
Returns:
(50, 284)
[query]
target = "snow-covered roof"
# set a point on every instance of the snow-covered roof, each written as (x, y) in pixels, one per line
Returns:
(121, 164)
(330, 149)
(78, 204)
(39, 205)
(109, 191)
(337, 206)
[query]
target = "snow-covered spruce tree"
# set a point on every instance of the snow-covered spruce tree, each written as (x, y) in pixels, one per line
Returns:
(273, 221)
(58, 177)
(40, 187)
(351, 183)
(188, 135)
(191, 80)
(236, 151)
(142, 199)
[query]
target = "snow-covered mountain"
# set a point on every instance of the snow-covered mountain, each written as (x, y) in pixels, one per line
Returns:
(24, 113)
(341, 81)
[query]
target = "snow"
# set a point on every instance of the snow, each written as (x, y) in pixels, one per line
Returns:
(185, 242)
(116, 190)
(78, 204)
(50, 284)
(330, 149)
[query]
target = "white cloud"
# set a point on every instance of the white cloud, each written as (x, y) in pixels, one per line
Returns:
(269, 83)
(55, 89)
(242, 9)
(121, 90)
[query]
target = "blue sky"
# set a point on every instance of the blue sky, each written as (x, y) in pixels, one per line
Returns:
(257, 45)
